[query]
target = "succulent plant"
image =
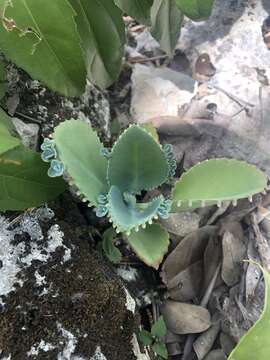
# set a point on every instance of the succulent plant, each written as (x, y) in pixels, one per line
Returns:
(113, 181)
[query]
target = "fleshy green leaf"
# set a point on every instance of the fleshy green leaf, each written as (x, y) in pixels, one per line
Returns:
(79, 148)
(138, 9)
(196, 9)
(7, 141)
(41, 37)
(159, 328)
(166, 24)
(151, 130)
(145, 337)
(160, 349)
(24, 182)
(126, 214)
(217, 180)
(110, 250)
(255, 343)
(137, 162)
(150, 244)
(102, 31)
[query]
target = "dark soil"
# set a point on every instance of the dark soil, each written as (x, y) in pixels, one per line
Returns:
(84, 296)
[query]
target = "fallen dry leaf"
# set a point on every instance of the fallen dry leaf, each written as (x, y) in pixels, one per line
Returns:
(182, 318)
(216, 355)
(234, 251)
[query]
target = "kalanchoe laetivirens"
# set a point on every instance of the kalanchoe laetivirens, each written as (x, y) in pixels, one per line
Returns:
(117, 181)
(49, 154)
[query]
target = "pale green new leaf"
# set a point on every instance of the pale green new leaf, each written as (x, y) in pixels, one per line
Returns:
(110, 250)
(255, 343)
(159, 328)
(166, 24)
(79, 148)
(41, 37)
(197, 10)
(7, 141)
(102, 32)
(150, 244)
(137, 162)
(24, 182)
(138, 9)
(217, 180)
(145, 337)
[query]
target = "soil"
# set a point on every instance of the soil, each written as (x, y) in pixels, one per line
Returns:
(85, 298)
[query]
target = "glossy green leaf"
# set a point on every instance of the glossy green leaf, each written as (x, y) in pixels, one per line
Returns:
(160, 349)
(102, 32)
(217, 180)
(79, 148)
(145, 337)
(166, 24)
(150, 244)
(196, 9)
(138, 9)
(159, 329)
(137, 162)
(255, 343)
(7, 141)
(151, 130)
(24, 182)
(41, 37)
(110, 250)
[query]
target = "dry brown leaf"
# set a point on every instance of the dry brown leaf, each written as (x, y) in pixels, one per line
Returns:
(182, 318)
(182, 223)
(187, 284)
(187, 252)
(253, 273)
(173, 125)
(174, 349)
(204, 343)
(216, 355)
(227, 343)
(212, 256)
(234, 252)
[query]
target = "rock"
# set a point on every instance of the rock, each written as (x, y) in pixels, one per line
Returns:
(58, 299)
(158, 92)
(233, 39)
(28, 133)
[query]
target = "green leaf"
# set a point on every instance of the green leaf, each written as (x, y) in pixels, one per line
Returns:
(126, 214)
(7, 141)
(79, 148)
(160, 349)
(24, 182)
(137, 162)
(255, 343)
(145, 337)
(159, 329)
(138, 9)
(150, 244)
(197, 10)
(110, 250)
(102, 32)
(217, 180)
(2, 79)
(41, 37)
(166, 24)
(151, 130)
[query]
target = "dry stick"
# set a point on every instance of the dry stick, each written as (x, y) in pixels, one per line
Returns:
(262, 244)
(28, 117)
(244, 104)
(144, 60)
(203, 303)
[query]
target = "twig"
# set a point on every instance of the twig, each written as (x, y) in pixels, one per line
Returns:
(28, 118)
(137, 60)
(262, 244)
(203, 303)
(244, 104)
